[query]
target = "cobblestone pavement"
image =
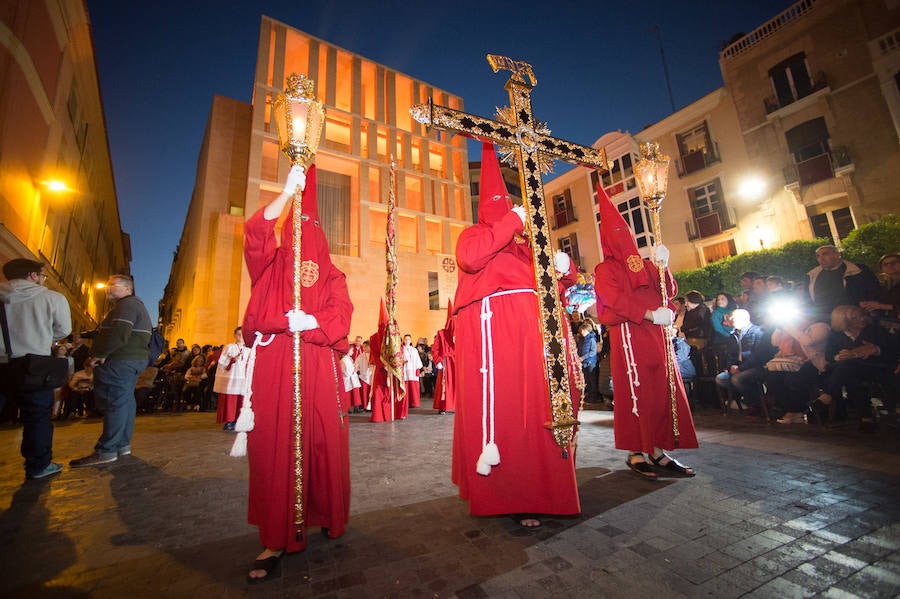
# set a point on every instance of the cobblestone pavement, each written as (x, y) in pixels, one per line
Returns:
(775, 511)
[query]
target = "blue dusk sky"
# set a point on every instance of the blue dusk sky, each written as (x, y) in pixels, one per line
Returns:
(597, 64)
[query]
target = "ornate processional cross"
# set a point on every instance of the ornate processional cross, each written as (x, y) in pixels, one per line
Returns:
(519, 134)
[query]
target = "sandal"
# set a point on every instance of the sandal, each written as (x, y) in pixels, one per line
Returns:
(642, 468)
(521, 518)
(672, 465)
(271, 566)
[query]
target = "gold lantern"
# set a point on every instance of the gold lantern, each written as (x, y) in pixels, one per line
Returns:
(299, 118)
(652, 174)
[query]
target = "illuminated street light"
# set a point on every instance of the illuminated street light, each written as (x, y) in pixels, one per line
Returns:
(752, 188)
(56, 185)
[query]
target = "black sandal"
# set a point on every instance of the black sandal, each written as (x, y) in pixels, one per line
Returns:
(642, 468)
(672, 465)
(271, 566)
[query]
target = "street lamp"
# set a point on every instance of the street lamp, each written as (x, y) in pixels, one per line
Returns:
(652, 175)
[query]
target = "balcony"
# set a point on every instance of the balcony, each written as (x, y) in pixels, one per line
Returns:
(709, 225)
(836, 163)
(697, 160)
(774, 104)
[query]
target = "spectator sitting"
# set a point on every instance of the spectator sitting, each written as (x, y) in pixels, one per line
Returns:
(887, 304)
(748, 352)
(193, 377)
(797, 366)
(860, 352)
(756, 301)
(81, 387)
(724, 305)
(683, 358)
(836, 282)
(679, 315)
(183, 350)
(143, 387)
(697, 325)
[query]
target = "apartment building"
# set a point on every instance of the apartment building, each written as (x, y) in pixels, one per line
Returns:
(58, 199)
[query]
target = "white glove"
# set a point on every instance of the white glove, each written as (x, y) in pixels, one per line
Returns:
(662, 255)
(663, 316)
(296, 178)
(299, 321)
(520, 211)
(562, 262)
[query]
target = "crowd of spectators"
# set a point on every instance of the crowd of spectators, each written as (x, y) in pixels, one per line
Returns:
(826, 348)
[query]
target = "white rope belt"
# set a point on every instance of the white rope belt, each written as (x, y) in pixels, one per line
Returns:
(630, 366)
(490, 453)
(245, 423)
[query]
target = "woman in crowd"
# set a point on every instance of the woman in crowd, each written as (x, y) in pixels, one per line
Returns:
(697, 325)
(724, 305)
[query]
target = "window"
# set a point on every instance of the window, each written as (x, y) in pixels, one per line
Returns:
(563, 213)
(833, 224)
(695, 148)
(569, 245)
(809, 145)
(434, 296)
(638, 221)
(790, 80)
(618, 179)
(708, 207)
(333, 191)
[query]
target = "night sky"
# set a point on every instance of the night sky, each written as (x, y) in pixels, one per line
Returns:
(597, 64)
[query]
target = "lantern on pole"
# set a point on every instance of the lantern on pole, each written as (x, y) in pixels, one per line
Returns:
(652, 175)
(299, 118)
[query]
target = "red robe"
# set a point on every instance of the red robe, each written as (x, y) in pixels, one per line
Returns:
(384, 408)
(619, 303)
(532, 476)
(442, 353)
(326, 465)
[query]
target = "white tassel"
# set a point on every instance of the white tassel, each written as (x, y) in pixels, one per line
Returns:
(239, 449)
(491, 454)
(482, 467)
(245, 421)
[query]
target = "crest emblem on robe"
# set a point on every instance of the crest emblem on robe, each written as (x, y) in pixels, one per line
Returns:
(309, 273)
(635, 264)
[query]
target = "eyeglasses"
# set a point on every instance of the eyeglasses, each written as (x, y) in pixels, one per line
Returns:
(43, 277)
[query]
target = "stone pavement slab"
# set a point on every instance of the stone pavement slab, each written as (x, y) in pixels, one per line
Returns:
(774, 512)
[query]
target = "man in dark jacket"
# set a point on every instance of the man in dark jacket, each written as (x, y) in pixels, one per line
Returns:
(118, 356)
(749, 348)
(837, 282)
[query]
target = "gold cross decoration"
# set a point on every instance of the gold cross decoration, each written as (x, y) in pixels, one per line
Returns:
(520, 135)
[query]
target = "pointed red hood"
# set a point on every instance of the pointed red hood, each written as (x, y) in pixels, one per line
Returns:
(618, 243)
(493, 200)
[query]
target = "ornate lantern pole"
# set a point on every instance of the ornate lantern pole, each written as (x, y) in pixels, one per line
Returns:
(652, 175)
(299, 118)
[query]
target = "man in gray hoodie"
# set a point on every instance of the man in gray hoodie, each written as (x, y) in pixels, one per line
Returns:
(36, 317)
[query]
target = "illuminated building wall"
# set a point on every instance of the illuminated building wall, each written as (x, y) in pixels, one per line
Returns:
(52, 128)
(367, 122)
